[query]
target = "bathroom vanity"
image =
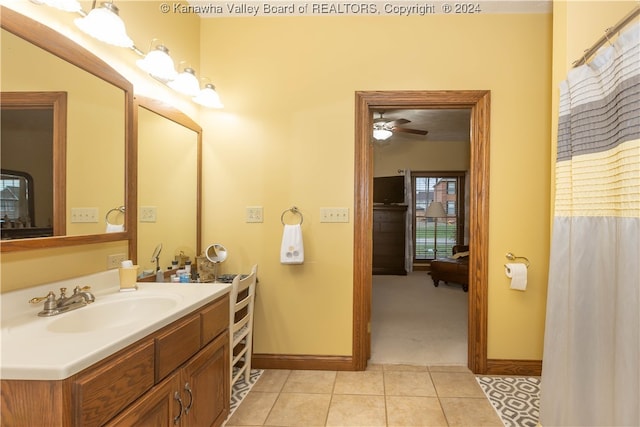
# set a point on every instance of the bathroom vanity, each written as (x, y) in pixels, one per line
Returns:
(160, 358)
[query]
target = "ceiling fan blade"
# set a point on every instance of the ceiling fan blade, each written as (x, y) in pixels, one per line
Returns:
(407, 130)
(398, 122)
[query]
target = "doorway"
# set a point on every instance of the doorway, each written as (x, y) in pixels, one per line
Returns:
(479, 103)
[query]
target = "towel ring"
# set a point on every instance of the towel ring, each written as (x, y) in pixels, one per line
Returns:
(106, 218)
(293, 210)
(510, 256)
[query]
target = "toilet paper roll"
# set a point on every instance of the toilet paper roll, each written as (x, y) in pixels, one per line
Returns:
(517, 272)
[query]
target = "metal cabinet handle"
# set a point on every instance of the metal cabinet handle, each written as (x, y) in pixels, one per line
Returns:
(176, 396)
(187, 388)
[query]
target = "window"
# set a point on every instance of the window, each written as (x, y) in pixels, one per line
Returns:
(16, 199)
(435, 237)
(451, 208)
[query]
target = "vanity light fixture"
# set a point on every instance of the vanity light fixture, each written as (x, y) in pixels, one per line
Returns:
(186, 82)
(104, 24)
(158, 64)
(208, 97)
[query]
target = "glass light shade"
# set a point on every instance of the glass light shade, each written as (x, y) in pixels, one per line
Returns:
(186, 83)
(66, 5)
(158, 64)
(382, 134)
(208, 97)
(104, 24)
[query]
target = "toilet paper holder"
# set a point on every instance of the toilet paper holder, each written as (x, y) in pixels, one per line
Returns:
(511, 257)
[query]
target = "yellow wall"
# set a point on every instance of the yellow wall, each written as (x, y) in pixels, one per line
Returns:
(421, 156)
(286, 138)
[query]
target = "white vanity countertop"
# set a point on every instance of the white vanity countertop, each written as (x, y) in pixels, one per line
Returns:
(56, 347)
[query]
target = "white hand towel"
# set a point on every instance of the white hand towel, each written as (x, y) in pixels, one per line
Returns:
(114, 228)
(292, 249)
(518, 274)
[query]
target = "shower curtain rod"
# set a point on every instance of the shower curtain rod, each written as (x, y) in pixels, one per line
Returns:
(606, 38)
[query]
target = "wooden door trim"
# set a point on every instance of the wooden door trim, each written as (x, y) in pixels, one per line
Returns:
(479, 103)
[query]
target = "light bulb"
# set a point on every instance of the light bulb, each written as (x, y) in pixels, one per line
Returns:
(208, 97)
(104, 24)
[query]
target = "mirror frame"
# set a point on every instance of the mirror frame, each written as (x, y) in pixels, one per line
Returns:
(171, 113)
(55, 43)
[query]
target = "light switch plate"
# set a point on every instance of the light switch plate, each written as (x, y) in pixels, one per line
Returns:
(84, 215)
(334, 214)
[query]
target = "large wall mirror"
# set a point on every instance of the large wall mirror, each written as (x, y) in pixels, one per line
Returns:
(85, 167)
(169, 182)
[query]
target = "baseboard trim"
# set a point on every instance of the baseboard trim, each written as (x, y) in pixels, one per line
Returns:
(291, 361)
(514, 367)
(345, 363)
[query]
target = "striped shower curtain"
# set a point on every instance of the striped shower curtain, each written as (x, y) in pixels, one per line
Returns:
(591, 361)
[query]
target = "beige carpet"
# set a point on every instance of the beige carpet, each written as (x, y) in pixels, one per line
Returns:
(413, 322)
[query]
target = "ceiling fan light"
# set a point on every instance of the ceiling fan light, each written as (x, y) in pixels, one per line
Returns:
(382, 134)
(104, 24)
(208, 97)
(186, 83)
(158, 64)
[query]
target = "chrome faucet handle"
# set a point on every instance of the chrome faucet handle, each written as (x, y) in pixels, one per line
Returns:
(81, 289)
(63, 293)
(50, 296)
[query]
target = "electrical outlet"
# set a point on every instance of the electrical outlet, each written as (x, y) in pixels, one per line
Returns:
(115, 260)
(148, 214)
(254, 214)
(84, 215)
(334, 214)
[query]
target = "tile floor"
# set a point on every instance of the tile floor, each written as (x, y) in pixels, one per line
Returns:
(383, 395)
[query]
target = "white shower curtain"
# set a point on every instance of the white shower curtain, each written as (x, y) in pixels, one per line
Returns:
(591, 362)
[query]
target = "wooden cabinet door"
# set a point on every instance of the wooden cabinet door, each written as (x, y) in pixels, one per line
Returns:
(158, 408)
(101, 392)
(205, 385)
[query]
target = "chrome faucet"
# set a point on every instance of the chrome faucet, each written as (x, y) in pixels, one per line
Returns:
(53, 306)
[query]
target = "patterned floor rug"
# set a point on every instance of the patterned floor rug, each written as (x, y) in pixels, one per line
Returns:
(515, 399)
(240, 390)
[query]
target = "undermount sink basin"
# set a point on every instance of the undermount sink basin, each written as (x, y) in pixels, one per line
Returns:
(112, 314)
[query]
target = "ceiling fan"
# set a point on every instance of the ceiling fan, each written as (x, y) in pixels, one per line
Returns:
(383, 128)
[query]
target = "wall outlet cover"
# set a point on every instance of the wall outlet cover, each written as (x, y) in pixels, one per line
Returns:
(254, 214)
(115, 260)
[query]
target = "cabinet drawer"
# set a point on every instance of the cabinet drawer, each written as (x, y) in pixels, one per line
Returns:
(393, 217)
(107, 389)
(215, 319)
(177, 344)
